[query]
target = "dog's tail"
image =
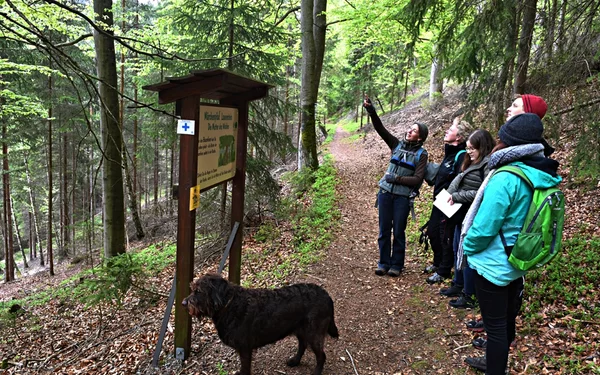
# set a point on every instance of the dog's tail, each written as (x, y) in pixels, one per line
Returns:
(332, 328)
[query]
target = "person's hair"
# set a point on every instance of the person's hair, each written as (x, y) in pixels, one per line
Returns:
(464, 128)
(482, 141)
(499, 146)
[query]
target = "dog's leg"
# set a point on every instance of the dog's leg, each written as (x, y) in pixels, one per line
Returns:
(246, 361)
(317, 347)
(295, 360)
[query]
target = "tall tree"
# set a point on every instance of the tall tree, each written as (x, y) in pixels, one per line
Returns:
(528, 22)
(8, 232)
(313, 27)
(112, 138)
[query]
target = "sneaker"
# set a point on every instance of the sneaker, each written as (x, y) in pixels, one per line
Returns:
(453, 291)
(475, 326)
(480, 343)
(435, 278)
(478, 363)
(394, 272)
(463, 302)
(380, 271)
(430, 269)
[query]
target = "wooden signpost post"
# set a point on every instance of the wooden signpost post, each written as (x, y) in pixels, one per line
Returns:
(213, 146)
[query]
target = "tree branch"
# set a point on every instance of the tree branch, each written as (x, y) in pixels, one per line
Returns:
(576, 106)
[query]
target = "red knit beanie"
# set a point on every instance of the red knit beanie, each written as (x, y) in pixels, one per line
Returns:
(534, 104)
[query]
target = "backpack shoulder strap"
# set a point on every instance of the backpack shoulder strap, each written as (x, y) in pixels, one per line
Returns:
(458, 154)
(519, 172)
(456, 159)
(516, 171)
(419, 152)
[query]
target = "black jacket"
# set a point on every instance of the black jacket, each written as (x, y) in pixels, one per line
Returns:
(448, 168)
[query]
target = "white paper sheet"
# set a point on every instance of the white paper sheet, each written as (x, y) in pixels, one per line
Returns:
(441, 202)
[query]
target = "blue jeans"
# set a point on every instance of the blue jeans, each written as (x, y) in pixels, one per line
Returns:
(466, 277)
(499, 311)
(393, 214)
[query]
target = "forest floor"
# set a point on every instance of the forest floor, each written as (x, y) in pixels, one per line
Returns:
(388, 326)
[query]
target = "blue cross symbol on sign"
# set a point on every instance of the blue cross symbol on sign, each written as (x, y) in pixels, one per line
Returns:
(185, 127)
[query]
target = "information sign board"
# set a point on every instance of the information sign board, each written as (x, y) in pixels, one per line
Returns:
(217, 145)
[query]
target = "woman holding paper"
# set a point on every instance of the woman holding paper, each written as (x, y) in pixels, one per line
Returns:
(462, 190)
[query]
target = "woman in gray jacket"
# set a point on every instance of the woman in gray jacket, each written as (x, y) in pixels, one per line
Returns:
(463, 190)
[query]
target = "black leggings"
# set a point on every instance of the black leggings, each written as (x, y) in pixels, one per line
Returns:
(499, 308)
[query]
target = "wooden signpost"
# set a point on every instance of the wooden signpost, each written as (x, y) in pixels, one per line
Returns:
(213, 146)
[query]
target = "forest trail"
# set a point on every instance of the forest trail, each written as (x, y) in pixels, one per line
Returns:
(388, 326)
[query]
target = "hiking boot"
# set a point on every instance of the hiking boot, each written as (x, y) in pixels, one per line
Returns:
(435, 278)
(480, 343)
(478, 363)
(430, 269)
(463, 302)
(394, 272)
(380, 271)
(453, 291)
(475, 326)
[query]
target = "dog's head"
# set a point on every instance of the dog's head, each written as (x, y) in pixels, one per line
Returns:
(209, 295)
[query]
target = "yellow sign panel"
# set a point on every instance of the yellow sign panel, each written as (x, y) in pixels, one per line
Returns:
(217, 145)
(194, 197)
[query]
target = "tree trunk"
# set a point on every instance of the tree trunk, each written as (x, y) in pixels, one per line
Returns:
(112, 140)
(560, 41)
(19, 240)
(549, 25)
(133, 202)
(436, 84)
(50, 187)
(155, 167)
(32, 248)
(313, 25)
(34, 213)
(64, 210)
(503, 86)
(529, 12)
(9, 271)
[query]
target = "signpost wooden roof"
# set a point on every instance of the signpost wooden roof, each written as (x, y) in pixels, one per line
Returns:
(217, 84)
(231, 90)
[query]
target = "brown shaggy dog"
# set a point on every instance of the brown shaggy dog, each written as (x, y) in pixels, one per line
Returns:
(247, 319)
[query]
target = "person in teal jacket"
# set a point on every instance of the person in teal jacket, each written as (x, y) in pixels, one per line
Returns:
(502, 203)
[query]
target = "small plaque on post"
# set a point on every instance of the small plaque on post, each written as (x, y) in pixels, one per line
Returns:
(186, 127)
(194, 197)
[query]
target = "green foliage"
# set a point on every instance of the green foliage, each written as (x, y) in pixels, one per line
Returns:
(586, 158)
(266, 233)
(221, 369)
(314, 224)
(570, 280)
(111, 282)
(350, 126)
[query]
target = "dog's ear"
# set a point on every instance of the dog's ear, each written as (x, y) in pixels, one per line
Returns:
(218, 291)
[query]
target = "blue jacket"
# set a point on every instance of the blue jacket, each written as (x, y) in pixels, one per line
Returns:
(505, 203)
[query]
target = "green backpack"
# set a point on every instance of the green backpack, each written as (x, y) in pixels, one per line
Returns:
(540, 239)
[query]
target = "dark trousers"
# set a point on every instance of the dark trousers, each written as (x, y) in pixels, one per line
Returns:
(464, 278)
(393, 214)
(441, 236)
(499, 309)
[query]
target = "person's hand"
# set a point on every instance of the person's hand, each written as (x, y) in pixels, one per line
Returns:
(450, 200)
(368, 105)
(390, 178)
